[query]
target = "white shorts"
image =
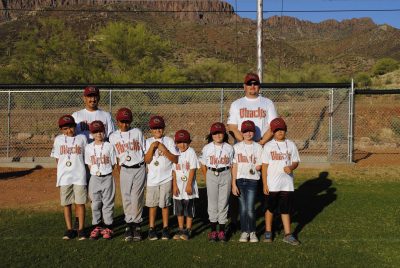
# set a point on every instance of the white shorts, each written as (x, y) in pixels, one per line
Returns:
(159, 195)
(73, 194)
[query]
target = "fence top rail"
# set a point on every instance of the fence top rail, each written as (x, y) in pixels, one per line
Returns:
(176, 86)
(376, 91)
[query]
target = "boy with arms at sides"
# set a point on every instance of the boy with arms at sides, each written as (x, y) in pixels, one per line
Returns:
(280, 157)
(161, 153)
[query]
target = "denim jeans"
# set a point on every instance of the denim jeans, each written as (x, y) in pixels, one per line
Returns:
(248, 192)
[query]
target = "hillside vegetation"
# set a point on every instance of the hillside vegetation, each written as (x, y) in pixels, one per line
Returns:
(185, 47)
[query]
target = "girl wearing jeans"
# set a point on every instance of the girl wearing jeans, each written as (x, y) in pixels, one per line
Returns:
(245, 175)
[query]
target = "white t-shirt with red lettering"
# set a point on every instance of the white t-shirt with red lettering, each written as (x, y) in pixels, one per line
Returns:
(129, 146)
(217, 156)
(187, 161)
(100, 157)
(71, 164)
(260, 110)
(278, 154)
(247, 157)
(83, 118)
(160, 167)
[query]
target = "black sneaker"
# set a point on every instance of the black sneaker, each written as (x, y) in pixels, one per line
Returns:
(165, 234)
(81, 235)
(152, 234)
(69, 234)
(178, 235)
(136, 234)
(185, 235)
(128, 234)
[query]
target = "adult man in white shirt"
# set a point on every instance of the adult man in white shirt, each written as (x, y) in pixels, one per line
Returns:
(83, 118)
(252, 107)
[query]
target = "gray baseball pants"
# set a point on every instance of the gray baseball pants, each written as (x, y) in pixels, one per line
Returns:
(132, 181)
(102, 194)
(218, 192)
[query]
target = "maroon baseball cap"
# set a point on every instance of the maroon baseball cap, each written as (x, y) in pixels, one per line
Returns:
(124, 114)
(91, 91)
(251, 77)
(156, 122)
(247, 126)
(278, 123)
(182, 136)
(66, 120)
(96, 126)
(217, 128)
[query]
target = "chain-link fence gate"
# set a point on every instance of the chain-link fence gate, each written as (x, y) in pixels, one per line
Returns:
(318, 116)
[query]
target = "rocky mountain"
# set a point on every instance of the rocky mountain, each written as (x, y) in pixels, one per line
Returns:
(212, 29)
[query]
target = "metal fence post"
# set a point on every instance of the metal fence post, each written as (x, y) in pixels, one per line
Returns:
(222, 106)
(8, 123)
(330, 132)
(351, 123)
(110, 101)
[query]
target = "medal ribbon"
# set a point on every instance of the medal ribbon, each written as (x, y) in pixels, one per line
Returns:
(287, 152)
(98, 163)
(220, 153)
(123, 141)
(249, 157)
(69, 152)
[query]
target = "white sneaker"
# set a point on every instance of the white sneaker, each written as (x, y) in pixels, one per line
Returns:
(253, 237)
(244, 237)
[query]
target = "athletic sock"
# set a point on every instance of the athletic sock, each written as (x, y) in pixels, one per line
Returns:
(213, 226)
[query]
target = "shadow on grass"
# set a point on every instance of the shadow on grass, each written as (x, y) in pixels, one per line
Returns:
(17, 174)
(310, 199)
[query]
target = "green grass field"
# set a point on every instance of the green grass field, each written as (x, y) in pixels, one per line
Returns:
(340, 220)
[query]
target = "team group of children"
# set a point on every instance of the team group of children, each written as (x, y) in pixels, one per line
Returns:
(166, 169)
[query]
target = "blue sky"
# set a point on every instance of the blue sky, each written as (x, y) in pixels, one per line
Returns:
(392, 18)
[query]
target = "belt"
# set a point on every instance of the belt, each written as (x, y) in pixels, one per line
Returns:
(105, 175)
(134, 166)
(219, 169)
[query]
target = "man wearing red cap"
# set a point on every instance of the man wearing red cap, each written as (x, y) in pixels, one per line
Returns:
(252, 107)
(91, 98)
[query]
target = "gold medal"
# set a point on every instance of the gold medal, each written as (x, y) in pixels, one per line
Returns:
(184, 178)
(68, 164)
(252, 172)
(156, 163)
(128, 158)
(216, 173)
(98, 173)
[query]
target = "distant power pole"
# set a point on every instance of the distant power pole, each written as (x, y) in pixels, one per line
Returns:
(259, 39)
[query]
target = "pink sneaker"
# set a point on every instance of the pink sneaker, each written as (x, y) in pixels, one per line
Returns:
(107, 233)
(96, 233)
(221, 236)
(212, 236)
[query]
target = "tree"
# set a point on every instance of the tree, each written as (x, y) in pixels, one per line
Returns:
(135, 55)
(48, 53)
(384, 66)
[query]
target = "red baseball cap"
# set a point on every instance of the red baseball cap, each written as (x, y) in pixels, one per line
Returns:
(217, 128)
(278, 123)
(96, 126)
(182, 136)
(247, 126)
(124, 114)
(156, 122)
(251, 77)
(91, 91)
(66, 120)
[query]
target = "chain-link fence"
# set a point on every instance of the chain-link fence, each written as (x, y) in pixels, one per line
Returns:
(318, 118)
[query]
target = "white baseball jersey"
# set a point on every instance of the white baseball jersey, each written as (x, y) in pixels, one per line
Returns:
(83, 118)
(247, 157)
(129, 146)
(260, 110)
(160, 167)
(100, 157)
(70, 154)
(217, 156)
(278, 154)
(187, 161)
